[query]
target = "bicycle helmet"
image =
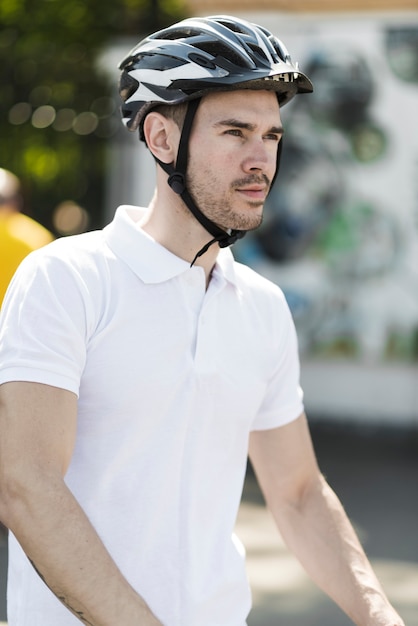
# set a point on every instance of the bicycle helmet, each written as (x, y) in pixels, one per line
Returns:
(195, 57)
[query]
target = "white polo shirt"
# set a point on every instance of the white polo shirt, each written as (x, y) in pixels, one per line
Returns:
(171, 379)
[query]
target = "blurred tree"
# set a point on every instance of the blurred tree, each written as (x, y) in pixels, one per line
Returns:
(57, 111)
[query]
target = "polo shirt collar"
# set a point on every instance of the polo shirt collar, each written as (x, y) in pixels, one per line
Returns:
(150, 261)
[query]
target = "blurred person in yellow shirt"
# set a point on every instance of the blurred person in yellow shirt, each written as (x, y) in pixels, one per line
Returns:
(19, 234)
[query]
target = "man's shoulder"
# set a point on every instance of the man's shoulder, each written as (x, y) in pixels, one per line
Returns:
(89, 242)
(74, 249)
(71, 274)
(80, 258)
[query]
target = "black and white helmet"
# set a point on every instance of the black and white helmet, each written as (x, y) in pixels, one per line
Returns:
(201, 55)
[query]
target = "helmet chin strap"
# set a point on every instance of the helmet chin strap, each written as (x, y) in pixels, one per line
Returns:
(177, 182)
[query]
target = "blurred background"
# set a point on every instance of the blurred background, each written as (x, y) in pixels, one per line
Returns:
(340, 235)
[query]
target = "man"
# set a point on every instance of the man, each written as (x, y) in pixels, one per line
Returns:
(19, 234)
(140, 363)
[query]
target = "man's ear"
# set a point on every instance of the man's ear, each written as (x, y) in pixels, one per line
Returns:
(161, 136)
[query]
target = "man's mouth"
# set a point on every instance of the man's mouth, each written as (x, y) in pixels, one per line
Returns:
(256, 192)
(255, 188)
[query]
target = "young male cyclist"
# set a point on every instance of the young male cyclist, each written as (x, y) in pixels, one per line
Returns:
(140, 364)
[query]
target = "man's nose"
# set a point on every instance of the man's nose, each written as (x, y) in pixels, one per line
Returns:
(259, 157)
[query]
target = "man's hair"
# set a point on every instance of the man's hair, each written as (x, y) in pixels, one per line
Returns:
(175, 112)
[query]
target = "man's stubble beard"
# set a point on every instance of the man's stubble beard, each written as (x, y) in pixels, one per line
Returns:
(220, 209)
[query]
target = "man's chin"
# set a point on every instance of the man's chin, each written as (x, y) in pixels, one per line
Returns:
(249, 224)
(246, 221)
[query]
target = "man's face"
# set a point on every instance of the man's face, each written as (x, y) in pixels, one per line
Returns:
(232, 156)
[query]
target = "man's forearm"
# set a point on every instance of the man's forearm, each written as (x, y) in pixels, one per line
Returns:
(318, 531)
(70, 558)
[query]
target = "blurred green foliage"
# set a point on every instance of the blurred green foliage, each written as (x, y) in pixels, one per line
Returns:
(57, 110)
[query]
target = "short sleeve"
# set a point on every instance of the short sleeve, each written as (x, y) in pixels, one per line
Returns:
(283, 400)
(43, 323)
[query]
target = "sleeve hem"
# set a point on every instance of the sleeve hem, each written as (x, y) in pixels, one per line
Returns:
(45, 377)
(290, 414)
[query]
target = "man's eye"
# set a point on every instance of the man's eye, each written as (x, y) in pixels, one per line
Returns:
(236, 132)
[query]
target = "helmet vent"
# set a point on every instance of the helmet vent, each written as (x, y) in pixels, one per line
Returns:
(217, 49)
(235, 27)
(202, 61)
(170, 33)
(257, 50)
(127, 86)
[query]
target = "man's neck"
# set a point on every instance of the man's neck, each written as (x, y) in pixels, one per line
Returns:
(180, 233)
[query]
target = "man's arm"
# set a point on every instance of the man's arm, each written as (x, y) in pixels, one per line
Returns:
(314, 525)
(38, 429)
